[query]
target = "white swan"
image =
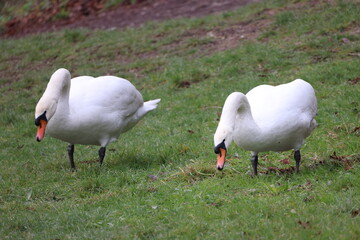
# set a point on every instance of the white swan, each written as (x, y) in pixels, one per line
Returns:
(267, 118)
(87, 110)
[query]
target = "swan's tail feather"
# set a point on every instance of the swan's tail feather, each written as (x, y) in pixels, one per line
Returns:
(147, 107)
(151, 105)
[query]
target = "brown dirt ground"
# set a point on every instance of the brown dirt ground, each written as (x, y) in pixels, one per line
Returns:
(91, 14)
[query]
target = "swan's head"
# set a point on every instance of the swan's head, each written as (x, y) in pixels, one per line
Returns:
(46, 107)
(44, 111)
(220, 150)
(224, 132)
(222, 140)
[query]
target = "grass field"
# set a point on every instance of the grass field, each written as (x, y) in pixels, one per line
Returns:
(159, 180)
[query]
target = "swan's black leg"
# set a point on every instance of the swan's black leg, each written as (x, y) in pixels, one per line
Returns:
(71, 156)
(254, 162)
(101, 155)
(297, 157)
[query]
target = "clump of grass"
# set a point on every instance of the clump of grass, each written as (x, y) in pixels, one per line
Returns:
(62, 14)
(73, 36)
(111, 3)
(284, 18)
(194, 172)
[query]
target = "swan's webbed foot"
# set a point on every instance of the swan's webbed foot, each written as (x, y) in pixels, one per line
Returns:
(71, 156)
(101, 155)
(254, 162)
(297, 158)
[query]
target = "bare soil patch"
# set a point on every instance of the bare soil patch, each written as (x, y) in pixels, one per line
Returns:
(91, 14)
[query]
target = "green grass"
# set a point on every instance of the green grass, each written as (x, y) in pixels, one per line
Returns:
(40, 198)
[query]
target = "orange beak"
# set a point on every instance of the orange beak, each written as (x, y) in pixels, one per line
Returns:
(41, 130)
(221, 159)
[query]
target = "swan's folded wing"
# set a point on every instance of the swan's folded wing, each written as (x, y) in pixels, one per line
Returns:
(282, 102)
(104, 95)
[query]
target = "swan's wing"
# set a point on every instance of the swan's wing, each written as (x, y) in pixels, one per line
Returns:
(105, 95)
(285, 112)
(263, 102)
(283, 102)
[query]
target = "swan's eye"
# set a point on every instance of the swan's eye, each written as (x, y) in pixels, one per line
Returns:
(221, 145)
(41, 117)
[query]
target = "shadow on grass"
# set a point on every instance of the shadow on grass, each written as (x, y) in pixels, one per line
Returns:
(139, 160)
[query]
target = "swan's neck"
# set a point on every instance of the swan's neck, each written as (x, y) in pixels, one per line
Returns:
(55, 100)
(63, 98)
(245, 125)
(225, 128)
(63, 91)
(236, 122)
